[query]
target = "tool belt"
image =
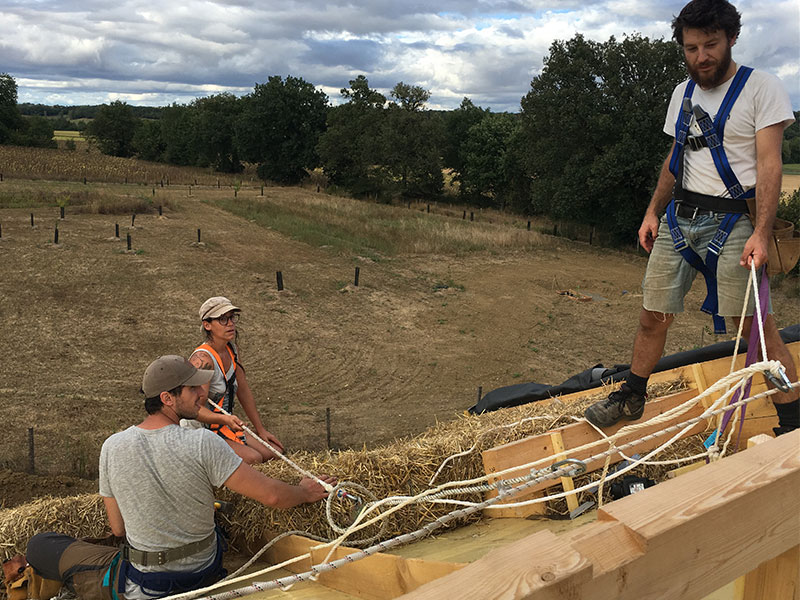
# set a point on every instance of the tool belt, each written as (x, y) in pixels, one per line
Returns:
(783, 249)
(149, 559)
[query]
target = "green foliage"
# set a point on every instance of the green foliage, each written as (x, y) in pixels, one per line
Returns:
(178, 123)
(486, 172)
(147, 141)
(457, 124)
(214, 132)
(10, 119)
(113, 129)
(279, 128)
(350, 147)
(36, 132)
(410, 141)
(592, 125)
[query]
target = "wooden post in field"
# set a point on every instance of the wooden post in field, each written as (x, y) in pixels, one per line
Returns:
(429, 208)
(358, 272)
(32, 220)
(464, 216)
(55, 235)
(529, 225)
(31, 454)
(160, 210)
(116, 230)
(471, 216)
(198, 236)
(84, 181)
(133, 219)
(1, 177)
(62, 212)
(262, 189)
(190, 190)
(279, 277)
(1, 231)
(328, 426)
(154, 191)
(129, 242)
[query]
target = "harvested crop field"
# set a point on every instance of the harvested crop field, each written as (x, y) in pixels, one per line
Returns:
(406, 348)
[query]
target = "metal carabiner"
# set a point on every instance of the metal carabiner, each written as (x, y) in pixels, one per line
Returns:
(783, 384)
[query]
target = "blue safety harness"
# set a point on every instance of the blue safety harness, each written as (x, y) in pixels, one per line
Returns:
(712, 138)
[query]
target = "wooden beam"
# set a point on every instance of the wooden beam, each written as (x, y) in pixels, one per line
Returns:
(377, 577)
(539, 447)
(679, 540)
(776, 579)
(566, 482)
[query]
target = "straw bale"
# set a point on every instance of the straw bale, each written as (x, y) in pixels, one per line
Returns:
(404, 467)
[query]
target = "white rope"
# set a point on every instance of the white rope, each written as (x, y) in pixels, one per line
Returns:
(325, 485)
(566, 471)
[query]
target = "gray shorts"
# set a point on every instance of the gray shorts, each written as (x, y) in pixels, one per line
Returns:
(669, 277)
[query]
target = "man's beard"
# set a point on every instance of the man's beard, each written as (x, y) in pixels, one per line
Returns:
(716, 77)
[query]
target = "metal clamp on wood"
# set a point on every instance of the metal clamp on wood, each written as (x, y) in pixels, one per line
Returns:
(570, 461)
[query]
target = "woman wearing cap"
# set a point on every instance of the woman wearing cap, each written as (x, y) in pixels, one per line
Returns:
(219, 316)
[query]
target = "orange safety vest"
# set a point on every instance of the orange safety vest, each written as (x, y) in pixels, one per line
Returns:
(227, 398)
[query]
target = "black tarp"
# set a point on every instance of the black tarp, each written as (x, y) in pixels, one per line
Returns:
(522, 393)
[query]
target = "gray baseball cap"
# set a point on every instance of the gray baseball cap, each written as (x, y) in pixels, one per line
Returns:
(216, 307)
(168, 372)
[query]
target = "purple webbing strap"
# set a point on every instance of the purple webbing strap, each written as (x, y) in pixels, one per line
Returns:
(752, 355)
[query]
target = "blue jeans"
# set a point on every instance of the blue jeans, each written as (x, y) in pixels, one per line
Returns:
(669, 277)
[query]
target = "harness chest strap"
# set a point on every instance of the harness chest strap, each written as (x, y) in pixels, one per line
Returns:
(713, 134)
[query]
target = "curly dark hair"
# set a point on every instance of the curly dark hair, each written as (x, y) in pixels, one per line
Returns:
(708, 15)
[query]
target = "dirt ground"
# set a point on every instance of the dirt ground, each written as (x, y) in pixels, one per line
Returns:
(411, 345)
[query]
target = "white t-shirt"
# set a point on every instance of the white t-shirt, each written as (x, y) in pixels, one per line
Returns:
(762, 102)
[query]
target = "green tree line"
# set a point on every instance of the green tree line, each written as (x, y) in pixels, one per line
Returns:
(586, 146)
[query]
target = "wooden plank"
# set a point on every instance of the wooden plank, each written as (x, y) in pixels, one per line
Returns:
(289, 547)
(377, 577)
(681, 539)
(538, 447)
(381, 576)
(515, 571)
(566, 482)
(776, 579)
(685, 469)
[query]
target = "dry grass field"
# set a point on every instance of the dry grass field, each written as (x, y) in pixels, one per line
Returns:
(443, 306)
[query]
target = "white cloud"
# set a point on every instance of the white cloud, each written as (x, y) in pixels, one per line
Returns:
(485, 49)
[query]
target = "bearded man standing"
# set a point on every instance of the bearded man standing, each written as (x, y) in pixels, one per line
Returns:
(717, 164)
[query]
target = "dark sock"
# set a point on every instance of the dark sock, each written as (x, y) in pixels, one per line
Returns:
(637, 384)
(789, 414)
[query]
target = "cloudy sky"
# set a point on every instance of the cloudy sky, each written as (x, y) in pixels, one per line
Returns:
(155, 53)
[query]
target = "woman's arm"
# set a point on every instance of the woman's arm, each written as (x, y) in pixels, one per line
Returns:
(245, 396)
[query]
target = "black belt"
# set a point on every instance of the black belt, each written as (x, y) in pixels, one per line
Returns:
(148, 559)
(687, 211)
(705, 204)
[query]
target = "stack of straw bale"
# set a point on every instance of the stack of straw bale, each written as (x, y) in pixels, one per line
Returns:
(404, 467)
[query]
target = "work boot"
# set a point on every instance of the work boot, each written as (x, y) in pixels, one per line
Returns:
(622, 404)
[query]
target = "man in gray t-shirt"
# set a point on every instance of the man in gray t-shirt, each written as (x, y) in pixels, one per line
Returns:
(157, 480)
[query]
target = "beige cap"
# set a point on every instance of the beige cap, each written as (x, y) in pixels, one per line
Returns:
(168, 372)
(216, 307)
